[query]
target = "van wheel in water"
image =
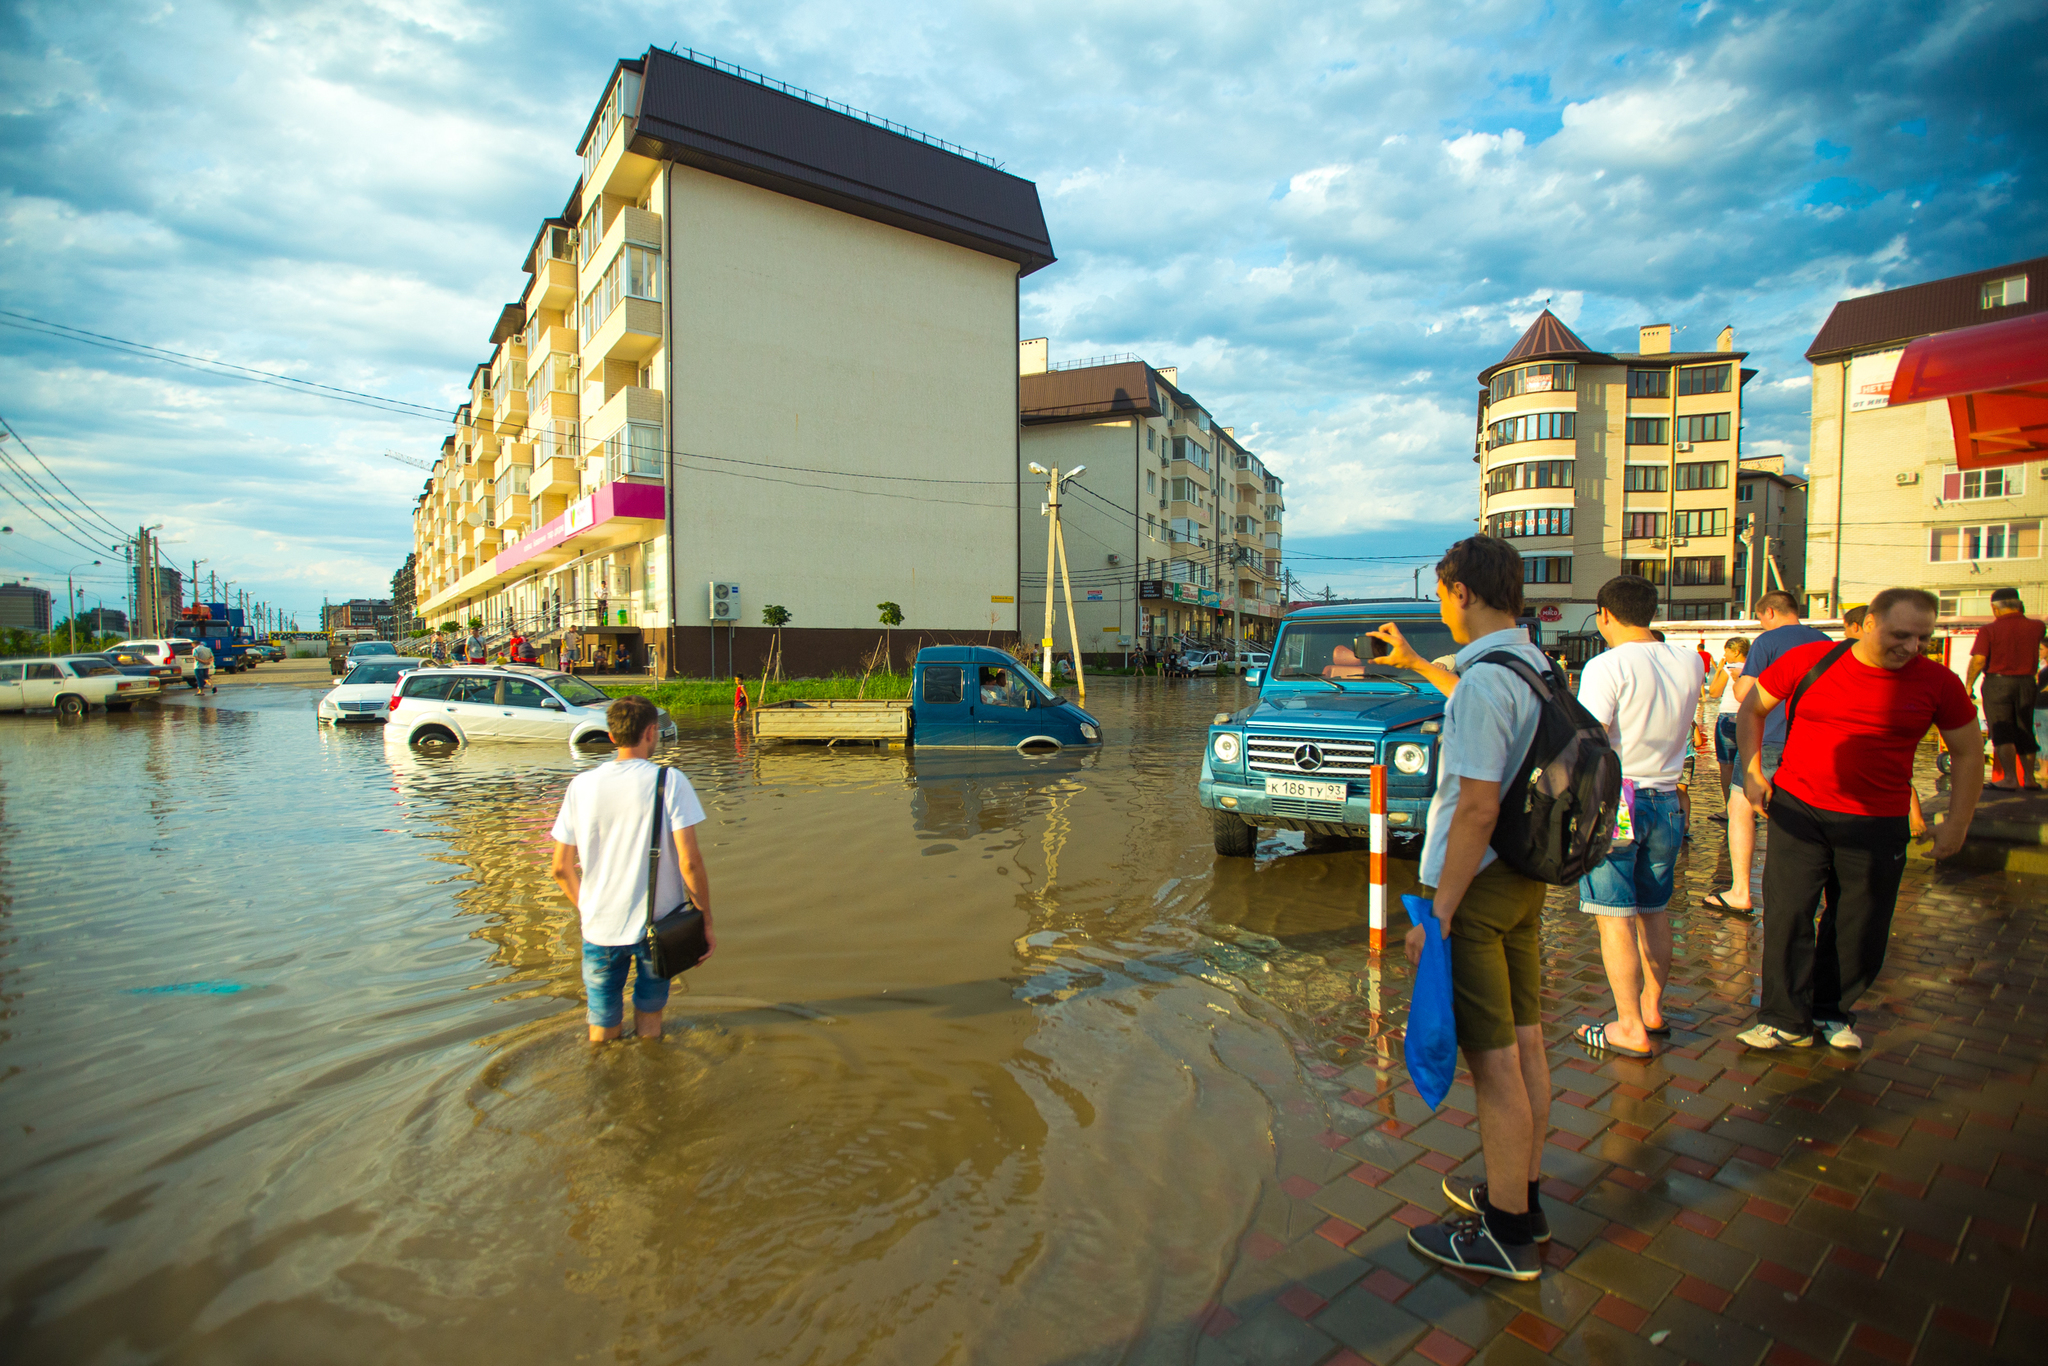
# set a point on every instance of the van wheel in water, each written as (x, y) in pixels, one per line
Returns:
(1234, 839)
(70, 708)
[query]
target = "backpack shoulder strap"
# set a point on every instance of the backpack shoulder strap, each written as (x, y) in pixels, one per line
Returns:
(1826, 662)
(1543, 683)
(654, 841)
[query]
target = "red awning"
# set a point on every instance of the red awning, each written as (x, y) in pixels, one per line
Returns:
(1995, 378)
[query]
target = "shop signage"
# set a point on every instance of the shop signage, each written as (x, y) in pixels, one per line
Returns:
(995, 598)
(1870, 379)
(1550, 612)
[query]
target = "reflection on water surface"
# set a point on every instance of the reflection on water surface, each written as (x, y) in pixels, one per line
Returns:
(995, 1062)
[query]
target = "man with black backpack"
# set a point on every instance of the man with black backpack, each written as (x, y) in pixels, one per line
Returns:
(1502, 718)
(1838, 802)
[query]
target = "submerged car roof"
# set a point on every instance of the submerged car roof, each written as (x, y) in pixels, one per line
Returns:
(1396, 607)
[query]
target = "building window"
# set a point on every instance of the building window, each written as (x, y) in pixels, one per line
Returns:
(1997, 541)
(2004, 293)
(1649, 384)
(1151, 443)
(634, 451)
(1532, 474)
(634, 272)
(1643, 479)
(1688, 573)
(1188, 449)
(1550, 378)
(1531, 522)
(2006, 481)
(1151, 486)
(1746, 493)
(1697, 611)
(1703, 427)
(1704, 379)
(1546, 569)
(1949, 604)
(1653, 570)
(1648, 431)
(1533, 427)
(1710, 475)
(1700, 522)
(1642, 526)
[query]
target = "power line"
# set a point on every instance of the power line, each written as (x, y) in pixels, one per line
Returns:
(53, 526)
(23, 441)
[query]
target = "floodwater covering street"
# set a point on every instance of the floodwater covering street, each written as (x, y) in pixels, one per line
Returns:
(989, 1064)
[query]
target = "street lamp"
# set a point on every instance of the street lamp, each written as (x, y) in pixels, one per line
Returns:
(71, 603)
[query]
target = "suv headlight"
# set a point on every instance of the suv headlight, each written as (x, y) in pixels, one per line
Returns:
(1225, 747)
(1411, 758)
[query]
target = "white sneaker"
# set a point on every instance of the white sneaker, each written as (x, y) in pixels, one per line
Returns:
(1838, 1033)
(1761, 1035)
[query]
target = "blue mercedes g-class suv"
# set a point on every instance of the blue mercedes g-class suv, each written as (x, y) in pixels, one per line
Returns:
(1300, 757)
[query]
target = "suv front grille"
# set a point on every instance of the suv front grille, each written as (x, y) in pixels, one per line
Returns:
(1341, 757)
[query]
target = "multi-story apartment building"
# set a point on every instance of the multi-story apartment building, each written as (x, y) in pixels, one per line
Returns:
(1770, 532)
(768, 341)
(360, 614)
(24, 607)
(1889, 506)
(1598, 463)
(1173, 528)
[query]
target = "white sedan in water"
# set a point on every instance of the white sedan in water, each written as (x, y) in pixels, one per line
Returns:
(364, 693)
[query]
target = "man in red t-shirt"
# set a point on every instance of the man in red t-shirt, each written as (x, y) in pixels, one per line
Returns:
(2004, 652)
(1838, 805)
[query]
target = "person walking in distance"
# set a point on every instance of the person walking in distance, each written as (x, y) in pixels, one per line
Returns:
(1721, 689)
(1647, 694)
(600, 863)
(202, 667)
(2004, 654)
(1490, 915)
(1778, 613)
(1837, 804)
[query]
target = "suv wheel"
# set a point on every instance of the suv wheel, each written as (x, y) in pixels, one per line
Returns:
(1234, 838)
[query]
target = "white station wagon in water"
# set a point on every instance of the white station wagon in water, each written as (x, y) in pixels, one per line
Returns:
(500, 702)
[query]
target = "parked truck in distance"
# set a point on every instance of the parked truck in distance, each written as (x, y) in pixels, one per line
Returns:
(962, 696)
(1301, 756)
(220, 628)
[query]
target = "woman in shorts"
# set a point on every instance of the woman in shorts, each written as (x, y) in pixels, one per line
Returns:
(1721, 689)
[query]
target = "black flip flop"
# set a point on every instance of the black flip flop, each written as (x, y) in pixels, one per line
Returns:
(1714, 901)
(1595, 1036)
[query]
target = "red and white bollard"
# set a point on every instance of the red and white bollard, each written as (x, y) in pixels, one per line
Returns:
(1376, 902)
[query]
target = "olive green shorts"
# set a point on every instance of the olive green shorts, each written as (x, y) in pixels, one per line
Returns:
(1496, 965)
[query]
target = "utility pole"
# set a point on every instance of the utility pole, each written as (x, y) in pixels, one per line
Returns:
(1056, 550)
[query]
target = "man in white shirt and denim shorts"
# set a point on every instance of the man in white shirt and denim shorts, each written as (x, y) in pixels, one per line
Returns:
(1490, 914)
(1647, 694)
(603, 825)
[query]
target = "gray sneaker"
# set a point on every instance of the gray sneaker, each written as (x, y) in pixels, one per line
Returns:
(1838, 1033)
(1465, 1243)
(1761, 1035)
(1469, 1196)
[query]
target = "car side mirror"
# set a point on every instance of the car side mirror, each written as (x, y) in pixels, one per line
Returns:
(551, 704)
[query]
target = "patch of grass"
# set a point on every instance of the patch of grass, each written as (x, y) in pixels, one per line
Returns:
(717, 692)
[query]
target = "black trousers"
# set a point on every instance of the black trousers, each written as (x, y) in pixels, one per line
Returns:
(2009, 704)
(1817, 963)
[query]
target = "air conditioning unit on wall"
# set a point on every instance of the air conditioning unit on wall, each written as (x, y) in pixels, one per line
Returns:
(1905, 477)
(725, 601)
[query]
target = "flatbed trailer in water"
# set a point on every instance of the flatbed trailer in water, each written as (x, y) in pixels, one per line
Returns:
(961, 696)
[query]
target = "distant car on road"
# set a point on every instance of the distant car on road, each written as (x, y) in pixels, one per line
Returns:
(364, 694)
(473, 702)
(138, 665)
(69, 685)
(340, 663)
(1200, 661)
(175, 651)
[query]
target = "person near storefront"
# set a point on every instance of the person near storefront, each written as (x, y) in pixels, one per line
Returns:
(2004, 654)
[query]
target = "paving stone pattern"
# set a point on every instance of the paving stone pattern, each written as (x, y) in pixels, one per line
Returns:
(1711, 1205)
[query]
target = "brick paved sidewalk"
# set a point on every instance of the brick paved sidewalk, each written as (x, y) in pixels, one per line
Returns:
(1712, 1205)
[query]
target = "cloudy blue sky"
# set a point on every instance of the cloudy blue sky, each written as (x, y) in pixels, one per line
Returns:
(1328, 216)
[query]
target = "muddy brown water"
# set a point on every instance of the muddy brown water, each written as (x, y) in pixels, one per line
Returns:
(994, 1062)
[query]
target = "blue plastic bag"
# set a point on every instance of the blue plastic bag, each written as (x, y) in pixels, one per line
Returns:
(1432, 1042)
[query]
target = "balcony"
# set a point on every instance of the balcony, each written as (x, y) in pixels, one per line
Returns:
(632, 332)
(510, 412)
(555, 477)
(554, 285)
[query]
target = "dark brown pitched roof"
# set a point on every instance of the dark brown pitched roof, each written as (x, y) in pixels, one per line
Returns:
(746, 130)
(1097, 391)
(1546, 339)
(1897, 316)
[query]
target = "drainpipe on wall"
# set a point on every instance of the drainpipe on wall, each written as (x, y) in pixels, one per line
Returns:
(668, 445)
(1841, 479)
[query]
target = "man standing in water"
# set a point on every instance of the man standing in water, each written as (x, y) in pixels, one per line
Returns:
(604, 826)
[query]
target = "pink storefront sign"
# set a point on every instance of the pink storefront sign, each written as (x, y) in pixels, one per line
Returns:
(640, 502)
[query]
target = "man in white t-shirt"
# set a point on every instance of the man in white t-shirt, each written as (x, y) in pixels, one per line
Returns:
(603, 826)
(1647, 693)
(202, 667)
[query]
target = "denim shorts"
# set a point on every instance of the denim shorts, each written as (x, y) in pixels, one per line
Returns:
(1724, 737)
(1638, 876)
(604, 982)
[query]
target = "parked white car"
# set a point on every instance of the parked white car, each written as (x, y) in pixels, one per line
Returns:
(175, 651)
(364, 694)
(1200, 661)
(469, 702)
(69, 684)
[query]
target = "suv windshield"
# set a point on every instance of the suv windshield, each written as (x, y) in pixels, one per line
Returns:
(1339, 650)
(578, 693)
(372, 647)
(379, 672)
